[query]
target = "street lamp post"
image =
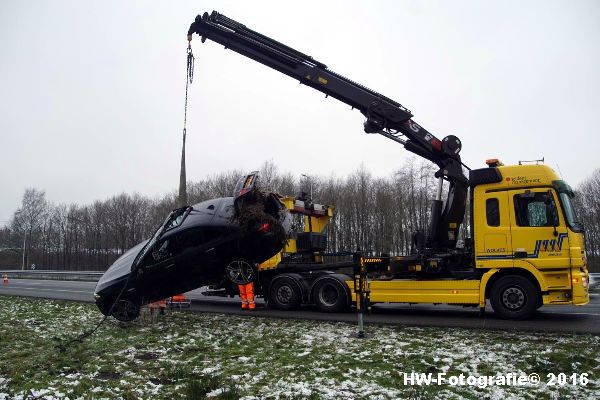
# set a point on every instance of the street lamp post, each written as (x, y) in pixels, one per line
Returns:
(309, 183)
(24, 242)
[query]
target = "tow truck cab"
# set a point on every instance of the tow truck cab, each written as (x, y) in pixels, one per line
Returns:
(524, 223)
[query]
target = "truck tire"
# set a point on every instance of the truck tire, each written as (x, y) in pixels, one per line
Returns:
(330, 296)
(514, 297)
(285, 294)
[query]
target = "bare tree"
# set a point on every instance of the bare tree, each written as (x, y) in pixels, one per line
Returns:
(28, 219)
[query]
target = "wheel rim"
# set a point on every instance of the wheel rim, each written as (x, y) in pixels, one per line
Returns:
(240, 272)
(125, 310)
(328, 295)
(284, 294)
(513, 298)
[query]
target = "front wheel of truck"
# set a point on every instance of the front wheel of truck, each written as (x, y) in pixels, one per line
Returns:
(514, 297)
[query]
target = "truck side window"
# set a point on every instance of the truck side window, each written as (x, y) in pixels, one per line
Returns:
(535, 210)
(492, 212)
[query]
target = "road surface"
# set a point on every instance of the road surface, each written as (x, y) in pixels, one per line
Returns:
(564, 319)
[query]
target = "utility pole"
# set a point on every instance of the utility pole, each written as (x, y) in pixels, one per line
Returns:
(182, 178)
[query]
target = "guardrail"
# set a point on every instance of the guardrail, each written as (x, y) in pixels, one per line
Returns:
(93, 276)
(594, 280)
(88, 276)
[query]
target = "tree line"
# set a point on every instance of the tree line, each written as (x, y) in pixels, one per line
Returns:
(371, 214)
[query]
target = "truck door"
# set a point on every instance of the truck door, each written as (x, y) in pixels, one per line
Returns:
(492, 230)
(538, 231)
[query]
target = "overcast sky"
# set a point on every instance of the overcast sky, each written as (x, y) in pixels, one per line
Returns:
(92, 93)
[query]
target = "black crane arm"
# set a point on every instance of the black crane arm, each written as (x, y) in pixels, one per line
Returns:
(383, 115)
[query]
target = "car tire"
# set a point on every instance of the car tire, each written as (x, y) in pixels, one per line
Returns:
(514, 297)
(240, 271)
(330, 296)
(126, 310)
(285, 294)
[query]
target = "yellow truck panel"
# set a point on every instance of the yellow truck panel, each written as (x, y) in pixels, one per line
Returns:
(410, 291)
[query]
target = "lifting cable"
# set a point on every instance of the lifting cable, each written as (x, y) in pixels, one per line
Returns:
(189, 79)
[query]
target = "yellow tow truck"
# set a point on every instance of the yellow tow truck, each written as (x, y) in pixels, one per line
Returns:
(526, 250)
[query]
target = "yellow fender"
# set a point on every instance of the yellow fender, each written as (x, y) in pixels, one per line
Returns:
(482, 285)
(539, 277)
(519, 265)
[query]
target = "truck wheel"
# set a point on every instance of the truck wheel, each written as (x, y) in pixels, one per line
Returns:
(285, 294)
(330, 296)
(126, 310)
(514, 297)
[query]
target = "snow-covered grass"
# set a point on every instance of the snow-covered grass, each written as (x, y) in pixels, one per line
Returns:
(185, 355)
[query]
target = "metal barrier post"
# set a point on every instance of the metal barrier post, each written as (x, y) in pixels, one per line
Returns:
(361, 289)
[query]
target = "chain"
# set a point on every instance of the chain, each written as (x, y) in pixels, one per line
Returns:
(188, 79)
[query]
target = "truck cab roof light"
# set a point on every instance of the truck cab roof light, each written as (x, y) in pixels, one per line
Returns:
(493, 162)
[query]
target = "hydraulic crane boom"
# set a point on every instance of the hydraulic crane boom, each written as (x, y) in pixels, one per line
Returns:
(383, 115)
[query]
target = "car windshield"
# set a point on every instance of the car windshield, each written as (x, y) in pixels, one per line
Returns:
(174, 219)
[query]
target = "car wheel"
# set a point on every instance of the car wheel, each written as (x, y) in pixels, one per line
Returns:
(240, 272)
(126, 310)
(514, 297)
(330, 296)
(285, 294)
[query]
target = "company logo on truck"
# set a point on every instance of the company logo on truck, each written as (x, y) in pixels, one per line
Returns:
(522, 180)
(541, 245)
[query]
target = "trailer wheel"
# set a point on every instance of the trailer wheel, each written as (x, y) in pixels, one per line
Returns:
(330, 296)
(514, 297)
(285, 294)
(126, 310)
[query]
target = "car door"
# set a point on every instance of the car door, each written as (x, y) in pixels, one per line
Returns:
(156, 269)
(199, 255)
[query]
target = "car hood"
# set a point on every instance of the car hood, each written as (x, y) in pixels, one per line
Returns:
(122, 266)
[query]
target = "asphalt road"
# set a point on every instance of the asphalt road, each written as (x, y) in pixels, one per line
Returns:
(568, 319)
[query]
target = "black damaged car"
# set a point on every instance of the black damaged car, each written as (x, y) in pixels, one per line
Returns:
(198, 245)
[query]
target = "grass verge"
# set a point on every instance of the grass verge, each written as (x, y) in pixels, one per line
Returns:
(196, 356)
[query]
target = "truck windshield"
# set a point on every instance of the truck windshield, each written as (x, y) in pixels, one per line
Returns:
(566, 196)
